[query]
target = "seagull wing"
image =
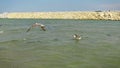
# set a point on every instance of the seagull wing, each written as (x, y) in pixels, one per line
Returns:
(29, 29)
(43, 28)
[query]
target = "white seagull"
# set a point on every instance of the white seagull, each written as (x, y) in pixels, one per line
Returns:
(77, 37)
(35, 25)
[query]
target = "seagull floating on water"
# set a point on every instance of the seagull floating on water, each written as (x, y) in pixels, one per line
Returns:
(35, 25)
(77, 37)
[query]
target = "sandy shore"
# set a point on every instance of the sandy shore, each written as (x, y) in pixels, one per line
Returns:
(112, 15)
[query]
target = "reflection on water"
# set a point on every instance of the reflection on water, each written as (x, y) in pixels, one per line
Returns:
(56, 48)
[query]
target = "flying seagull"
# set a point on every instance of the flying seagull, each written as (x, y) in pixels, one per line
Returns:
(35, 25)
(77, 37)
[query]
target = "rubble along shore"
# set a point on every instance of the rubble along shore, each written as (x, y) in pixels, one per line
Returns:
(96, 15)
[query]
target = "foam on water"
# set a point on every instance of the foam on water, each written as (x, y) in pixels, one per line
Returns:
(1, 32)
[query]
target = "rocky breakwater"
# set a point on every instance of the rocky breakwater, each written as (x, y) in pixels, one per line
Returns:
(108, 15)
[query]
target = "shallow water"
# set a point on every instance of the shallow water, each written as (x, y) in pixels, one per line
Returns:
(55, 48)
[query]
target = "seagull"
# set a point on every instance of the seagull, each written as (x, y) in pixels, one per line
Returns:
(35, 25)
(77, 37)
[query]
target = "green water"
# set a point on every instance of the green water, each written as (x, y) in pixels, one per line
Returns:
(55, 48)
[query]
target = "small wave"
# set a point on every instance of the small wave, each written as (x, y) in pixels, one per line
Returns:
(10, 40)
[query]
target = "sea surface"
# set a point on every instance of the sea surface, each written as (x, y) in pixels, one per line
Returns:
(55, 47)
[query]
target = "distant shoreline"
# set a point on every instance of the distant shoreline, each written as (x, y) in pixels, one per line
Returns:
(96, 15)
